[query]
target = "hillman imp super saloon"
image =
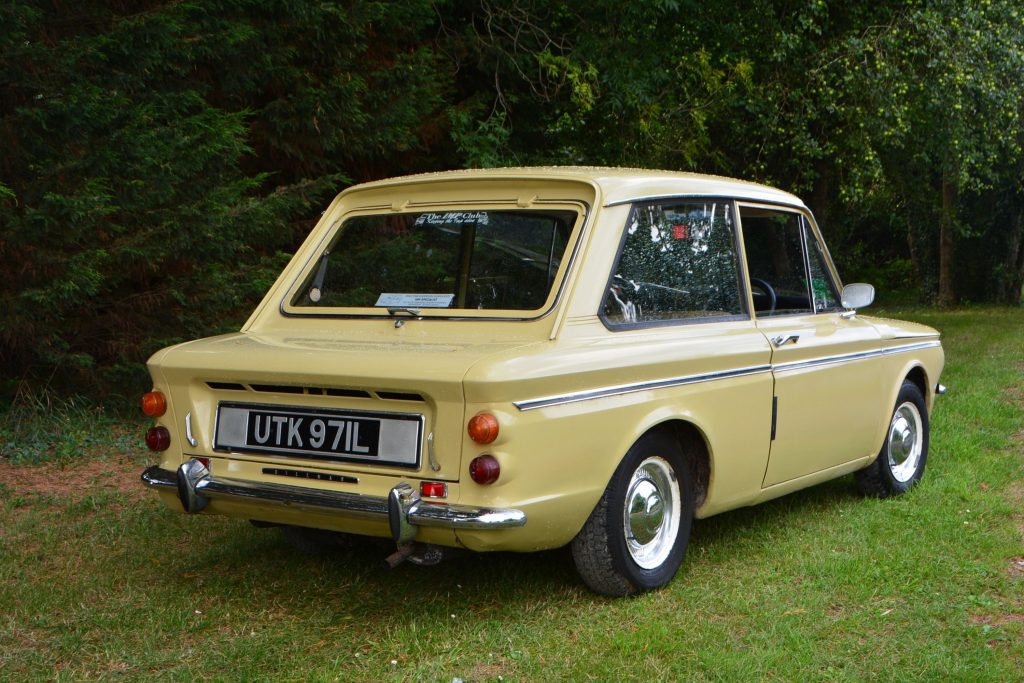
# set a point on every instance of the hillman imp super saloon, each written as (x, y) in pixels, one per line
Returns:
(521, 359)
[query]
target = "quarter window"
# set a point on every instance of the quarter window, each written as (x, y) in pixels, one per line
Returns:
(678, 262)
(823, 289)
(788, 272)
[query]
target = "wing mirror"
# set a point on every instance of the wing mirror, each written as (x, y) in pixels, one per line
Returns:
(858, 295)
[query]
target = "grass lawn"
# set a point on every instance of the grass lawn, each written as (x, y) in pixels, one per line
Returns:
(99, 581)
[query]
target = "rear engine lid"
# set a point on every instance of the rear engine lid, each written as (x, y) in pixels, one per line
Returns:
(325, 404)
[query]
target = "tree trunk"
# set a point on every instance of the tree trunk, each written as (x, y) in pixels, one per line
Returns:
(1011, 285)
(915, 257)
(947, 293)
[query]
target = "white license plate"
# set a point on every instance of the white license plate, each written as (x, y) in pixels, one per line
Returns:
(320, 434)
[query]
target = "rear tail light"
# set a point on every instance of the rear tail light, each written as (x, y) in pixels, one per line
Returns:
(483, 428)
(433, 489)
(484, 469)
(154, 403)
(158, 439)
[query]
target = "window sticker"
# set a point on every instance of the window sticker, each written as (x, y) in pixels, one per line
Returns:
(681, 232)
(415, 300)
(453, 218)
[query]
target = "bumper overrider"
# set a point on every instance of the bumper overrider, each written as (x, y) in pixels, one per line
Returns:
(403, 508)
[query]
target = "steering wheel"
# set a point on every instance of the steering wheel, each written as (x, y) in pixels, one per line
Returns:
(767, 289)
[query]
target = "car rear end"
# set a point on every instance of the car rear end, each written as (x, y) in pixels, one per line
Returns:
(340, 405)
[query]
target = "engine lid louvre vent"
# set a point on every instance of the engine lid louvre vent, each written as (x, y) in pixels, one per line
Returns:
(317, 391)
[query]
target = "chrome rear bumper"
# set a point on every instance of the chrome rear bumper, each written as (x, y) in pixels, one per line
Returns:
(402, 508)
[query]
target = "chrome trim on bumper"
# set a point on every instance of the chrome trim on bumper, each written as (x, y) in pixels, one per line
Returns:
(196, 486)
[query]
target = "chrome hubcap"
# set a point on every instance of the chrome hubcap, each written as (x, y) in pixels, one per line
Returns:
(905, 443)
(651, 515)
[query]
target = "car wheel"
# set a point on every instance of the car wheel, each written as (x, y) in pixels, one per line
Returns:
(636, 537)
(900, 463)
(310, 541)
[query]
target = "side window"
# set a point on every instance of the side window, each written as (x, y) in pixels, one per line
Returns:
(678, 262)
(773, 243)
(823, 289)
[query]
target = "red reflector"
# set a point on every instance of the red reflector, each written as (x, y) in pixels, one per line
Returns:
(158, 439)
(483, 428)
(433, 489)
(154, 403)
(484, 469)
(205, 461)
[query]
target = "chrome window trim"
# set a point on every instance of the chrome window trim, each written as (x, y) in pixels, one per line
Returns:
(584, 220)
(741, 269)
(618, 390)
(706, 195)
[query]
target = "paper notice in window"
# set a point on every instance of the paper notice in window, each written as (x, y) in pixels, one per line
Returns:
(415, 300)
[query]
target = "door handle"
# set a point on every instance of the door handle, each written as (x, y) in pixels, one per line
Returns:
(782, 340)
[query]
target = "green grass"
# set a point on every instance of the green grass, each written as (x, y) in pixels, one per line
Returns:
(820, 585)
(36, 427)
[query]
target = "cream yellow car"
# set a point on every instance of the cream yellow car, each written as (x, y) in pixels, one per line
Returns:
(521, 359)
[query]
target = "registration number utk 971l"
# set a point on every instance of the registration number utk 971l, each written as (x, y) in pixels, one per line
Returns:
(349, 436)
(392, 438)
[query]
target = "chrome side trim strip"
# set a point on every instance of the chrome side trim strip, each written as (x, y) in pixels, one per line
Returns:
(847, 357)
(620, 389)
(548, 401)
(420, 513)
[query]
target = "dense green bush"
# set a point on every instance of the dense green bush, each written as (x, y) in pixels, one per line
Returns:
(161, 159)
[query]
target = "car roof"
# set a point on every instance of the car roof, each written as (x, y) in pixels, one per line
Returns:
(618, 185)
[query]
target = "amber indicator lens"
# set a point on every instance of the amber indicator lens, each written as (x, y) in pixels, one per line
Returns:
(433, 489)
(158, 439)
(483, 428)
(484, 469)
(154, 403)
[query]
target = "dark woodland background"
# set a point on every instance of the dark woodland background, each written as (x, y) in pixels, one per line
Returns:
(159, 161)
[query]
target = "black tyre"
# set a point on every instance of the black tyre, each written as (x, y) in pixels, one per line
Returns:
(636, 537)
(900, 464)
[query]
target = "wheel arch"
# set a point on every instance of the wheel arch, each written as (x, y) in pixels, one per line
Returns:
(914, 372)
(919, 376)
(696, 451)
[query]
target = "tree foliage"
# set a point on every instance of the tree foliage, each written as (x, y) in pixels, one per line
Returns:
(161, 158)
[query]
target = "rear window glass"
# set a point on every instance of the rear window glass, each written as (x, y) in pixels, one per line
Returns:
(478, 260)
